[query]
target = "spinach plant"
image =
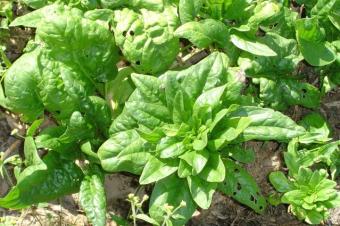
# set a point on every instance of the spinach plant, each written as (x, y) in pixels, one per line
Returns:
(175, 129)
(182, 129)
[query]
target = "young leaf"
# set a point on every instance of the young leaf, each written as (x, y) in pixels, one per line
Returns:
(188, 9)
(167, 191)
(312, 43)
(201, 191)
(214, 170)
(157, 169)
(280, 181)
(31, 153)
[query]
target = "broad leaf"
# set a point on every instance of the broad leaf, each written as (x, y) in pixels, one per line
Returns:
(241, 186)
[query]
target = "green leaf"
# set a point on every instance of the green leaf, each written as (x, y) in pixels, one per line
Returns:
(32, 19)
(310, 37)
(208, 100)
(228, 130)
(241, 186)
(288, 57)
(45, 182)
(157, 169)
(146, 38)
(167, 191)
(170, 147)
(92, 197)
(119, 89)
(201, 191)
(188, 9)
(239, 153)
(317, 127)
(214, 170)
(124, 151)
(34, 127)
(31, 153)
(267, 124)
(147, 219)
(18, 85)
(251, 45)
(282, 93)
(204, 33)
(280, 182)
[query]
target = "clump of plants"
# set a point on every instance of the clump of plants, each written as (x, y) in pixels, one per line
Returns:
(195, 81)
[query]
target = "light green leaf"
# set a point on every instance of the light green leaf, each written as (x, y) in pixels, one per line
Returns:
(311, 39)
(31, 153)
(167, 191)
(214, 170)
(201, 191)
(188, 9)
(280, 181)
(157, 169)
(251, 45)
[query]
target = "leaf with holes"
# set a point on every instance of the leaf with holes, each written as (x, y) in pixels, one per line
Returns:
(240, 185)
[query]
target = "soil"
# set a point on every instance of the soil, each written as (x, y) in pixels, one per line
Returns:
(224, 211)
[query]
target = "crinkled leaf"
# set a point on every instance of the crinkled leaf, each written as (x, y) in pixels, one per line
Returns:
(146, 38)
(281, 93)
(204, 33)
(124, 151)
(285, 62)
(45, 182)
(92, 197)
(267, 124)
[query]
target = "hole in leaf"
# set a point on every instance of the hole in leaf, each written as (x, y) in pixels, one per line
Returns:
(124, 33)
(132, 33)
(261, 207)
(138, 62)
(304, 90)
(57, 112)
(236, 170)
(252, 198)
(235, 193)
(238, 187)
